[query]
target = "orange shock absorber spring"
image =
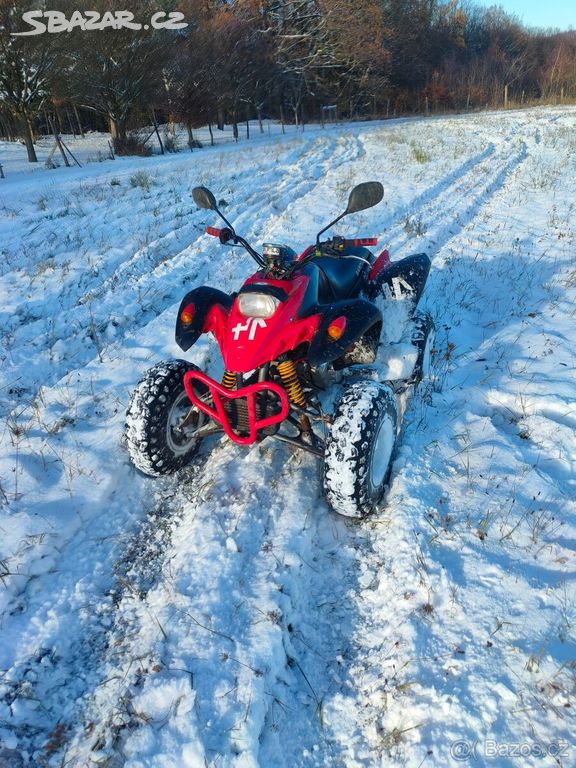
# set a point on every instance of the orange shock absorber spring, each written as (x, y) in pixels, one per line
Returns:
(229, 380)
(287, 371)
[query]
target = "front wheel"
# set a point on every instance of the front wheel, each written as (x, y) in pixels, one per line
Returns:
(360, 449)
(160, 425)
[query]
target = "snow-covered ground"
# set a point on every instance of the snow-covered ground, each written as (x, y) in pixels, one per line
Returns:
(97, 147)
(226, 617)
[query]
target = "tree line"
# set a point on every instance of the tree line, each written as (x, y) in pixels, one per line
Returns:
(293, 60)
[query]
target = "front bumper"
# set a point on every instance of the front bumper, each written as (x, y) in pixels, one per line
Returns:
(242, 413)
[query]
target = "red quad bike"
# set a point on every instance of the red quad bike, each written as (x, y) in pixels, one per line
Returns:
(293, 328)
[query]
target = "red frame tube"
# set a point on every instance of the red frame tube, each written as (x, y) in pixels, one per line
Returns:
(220, 393)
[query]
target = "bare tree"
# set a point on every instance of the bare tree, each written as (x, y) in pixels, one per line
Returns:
(187, 90)
(116, 72)
(237, 58)
(302, 48)
(26, 64)
(557, 75)
(360, 61)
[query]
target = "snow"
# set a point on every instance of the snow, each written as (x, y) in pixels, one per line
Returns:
(226, 616)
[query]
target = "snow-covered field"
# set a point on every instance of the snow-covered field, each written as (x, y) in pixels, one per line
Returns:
(226, 617)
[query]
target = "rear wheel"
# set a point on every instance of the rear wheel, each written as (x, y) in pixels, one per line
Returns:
(158, 438)
(360, 449)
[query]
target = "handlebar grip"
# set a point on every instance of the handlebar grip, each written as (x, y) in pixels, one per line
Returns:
(339, 244)
(362, 241)
(213, 231)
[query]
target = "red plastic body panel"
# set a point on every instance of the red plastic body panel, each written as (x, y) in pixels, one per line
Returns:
(247, 343)
(216, 320)
(220, 394)
(379, 265)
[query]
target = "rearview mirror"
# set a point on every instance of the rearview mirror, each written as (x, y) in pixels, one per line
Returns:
(204, 198)
(365, 196)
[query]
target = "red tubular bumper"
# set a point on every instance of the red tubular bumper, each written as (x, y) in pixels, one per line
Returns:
(220, 395)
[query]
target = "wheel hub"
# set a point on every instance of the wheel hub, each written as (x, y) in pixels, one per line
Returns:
(182, 425)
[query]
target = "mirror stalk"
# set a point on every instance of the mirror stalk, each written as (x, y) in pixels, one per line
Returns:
(205, 199)
(237, 239)
(365, 195)
(225, 220)
(336, 220)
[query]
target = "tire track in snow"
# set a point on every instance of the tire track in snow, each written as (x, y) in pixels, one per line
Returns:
(296, 669)
(414, 697)
(72, 663)
(264, 634)
(205, 614)
(137, 268)
(175, 232)
(444, 210)
(112, 215)
(280, 675)
(128, 301)
(301, 214)
(353, 729)
(50, 681)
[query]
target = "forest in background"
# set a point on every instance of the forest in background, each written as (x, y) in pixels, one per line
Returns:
(296, 61)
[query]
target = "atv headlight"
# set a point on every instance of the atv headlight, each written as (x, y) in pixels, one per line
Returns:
(257, 304)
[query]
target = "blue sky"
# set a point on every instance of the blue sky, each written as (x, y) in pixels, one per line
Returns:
(539, 13)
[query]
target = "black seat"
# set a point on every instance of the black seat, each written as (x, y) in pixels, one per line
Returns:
(341, 274)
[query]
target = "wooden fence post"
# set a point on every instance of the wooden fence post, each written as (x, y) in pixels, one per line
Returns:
(156, 131)
(59, 144)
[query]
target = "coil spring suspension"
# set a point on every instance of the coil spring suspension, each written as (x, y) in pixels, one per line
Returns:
(229, 380)
(289, 376)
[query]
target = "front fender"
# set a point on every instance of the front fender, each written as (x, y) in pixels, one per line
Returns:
(403, 279)
(360, 316)
(203, 299)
